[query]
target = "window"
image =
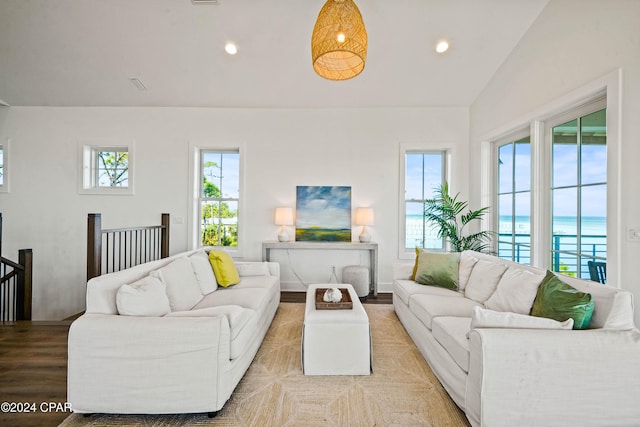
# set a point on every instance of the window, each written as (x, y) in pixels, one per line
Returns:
(1, 165)
(4, 167)
(575, 188)
(423, 172)
(579, 193)
(514, 199)
(219, 197)
(112, 167)
(107, 169)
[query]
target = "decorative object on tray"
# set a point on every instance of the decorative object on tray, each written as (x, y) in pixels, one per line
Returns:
(340, 300)
(332, 295)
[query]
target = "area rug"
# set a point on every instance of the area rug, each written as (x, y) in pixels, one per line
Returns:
(401, 391)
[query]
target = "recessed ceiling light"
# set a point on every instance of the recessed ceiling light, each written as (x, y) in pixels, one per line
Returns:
(442, 46)
(231, 48)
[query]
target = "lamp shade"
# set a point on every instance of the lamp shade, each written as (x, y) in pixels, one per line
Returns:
(364, 216)
(339, 41)
(284, 216)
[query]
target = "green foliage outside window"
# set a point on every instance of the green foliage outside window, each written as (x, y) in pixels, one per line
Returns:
(219, 216)
(113, 168)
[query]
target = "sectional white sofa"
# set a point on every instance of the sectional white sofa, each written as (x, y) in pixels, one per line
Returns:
(181, 353)
(518, 375)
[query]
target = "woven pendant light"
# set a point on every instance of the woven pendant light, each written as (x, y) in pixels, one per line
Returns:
(339, 41)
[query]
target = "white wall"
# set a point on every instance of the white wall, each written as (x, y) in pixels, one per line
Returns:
(283, 148)
(572, 44)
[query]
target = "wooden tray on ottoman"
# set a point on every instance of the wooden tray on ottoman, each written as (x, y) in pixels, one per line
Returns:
(344, 304)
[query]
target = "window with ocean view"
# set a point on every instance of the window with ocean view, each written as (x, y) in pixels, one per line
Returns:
(514, 200)
(424, 171)
(579, 194)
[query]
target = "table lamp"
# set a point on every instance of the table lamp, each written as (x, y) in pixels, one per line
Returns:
(284, 217)
(364, 217)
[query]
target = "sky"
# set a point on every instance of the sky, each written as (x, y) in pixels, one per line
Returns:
(327, 207)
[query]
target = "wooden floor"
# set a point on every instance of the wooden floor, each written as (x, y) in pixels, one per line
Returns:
(33, 372)
(33, 367)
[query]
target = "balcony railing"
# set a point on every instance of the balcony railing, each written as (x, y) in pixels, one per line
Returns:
(567, 258)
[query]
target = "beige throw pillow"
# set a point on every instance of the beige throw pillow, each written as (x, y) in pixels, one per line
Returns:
(467, 262)
(183, 288)
(484, 280)
(204, 272)
(516, 291)
(145, 297)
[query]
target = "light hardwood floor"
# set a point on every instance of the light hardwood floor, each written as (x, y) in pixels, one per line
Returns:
(33, 367)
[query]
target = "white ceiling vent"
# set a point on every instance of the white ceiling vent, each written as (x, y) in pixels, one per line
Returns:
(137, 83)
(204, 1)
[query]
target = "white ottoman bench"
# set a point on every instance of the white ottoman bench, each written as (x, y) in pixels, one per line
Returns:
(335, 342)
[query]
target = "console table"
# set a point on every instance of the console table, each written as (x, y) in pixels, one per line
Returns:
(329, 246)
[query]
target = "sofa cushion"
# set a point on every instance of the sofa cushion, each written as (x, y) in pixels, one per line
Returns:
(223, 268)
(516, 291)
(183, 288)
(483, 318)
(263, 282)
(451, 333)
(428, 307)
(403, 289)
(557, 300)
(484, 280)
(467, 262)
(243, 324)
(438, 269)
(145, 297)
(254, 298)
(246, 269)
(204, 272)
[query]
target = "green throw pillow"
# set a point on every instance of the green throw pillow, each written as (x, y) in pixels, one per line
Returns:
(436, 269)
(559, 301)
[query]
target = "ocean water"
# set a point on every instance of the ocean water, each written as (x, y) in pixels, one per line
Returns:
(563, 226)
(594, 233)
(593, 241)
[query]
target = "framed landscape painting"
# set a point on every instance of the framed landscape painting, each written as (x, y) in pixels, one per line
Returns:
(323, 214)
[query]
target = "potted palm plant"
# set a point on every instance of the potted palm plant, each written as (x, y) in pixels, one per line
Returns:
(450, 216)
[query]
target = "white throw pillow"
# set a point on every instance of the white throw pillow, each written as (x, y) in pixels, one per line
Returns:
(252, 268)
(516, 291)
(484, 280)
(483, 318)
(467, 262)
(145, 297)
(204, 272)
(183, 288)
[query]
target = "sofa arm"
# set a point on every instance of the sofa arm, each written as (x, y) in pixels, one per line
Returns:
(558, 377)
(127, 364)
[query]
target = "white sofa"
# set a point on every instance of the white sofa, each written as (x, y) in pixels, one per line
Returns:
(507, 376)
(188, 360)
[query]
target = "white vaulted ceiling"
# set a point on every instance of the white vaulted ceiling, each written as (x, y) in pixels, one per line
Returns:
(84, 52)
